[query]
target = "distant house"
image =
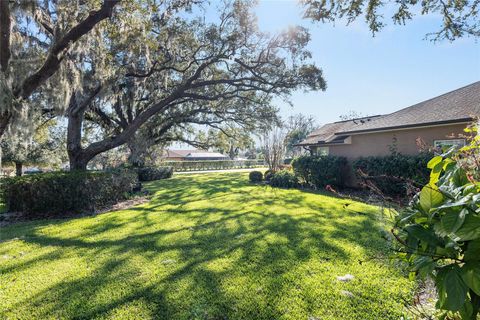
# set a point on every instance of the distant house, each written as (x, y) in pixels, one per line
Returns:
(193, 155)
(436, 122)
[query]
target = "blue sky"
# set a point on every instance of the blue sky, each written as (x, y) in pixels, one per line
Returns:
(393, 70)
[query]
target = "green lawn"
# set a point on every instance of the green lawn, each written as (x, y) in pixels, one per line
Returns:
(207, 246)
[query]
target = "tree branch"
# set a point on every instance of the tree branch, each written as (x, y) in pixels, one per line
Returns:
(5, 29)
(55, 57)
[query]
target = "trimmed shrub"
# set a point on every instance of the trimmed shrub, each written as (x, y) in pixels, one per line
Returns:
(154, 173)
(255, 176)
(284, 179)
(58, 193)
(391, 173)
(268, 175)
(320, 171)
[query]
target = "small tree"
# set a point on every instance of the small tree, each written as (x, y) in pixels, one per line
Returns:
(229, 141)
(40, 146)
(298, 126)
(274, 147)
(350, 115)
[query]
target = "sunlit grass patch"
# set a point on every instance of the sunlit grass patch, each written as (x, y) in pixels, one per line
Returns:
(209, 246)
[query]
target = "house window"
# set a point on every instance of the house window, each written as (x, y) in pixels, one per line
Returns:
(322, 151)
(445, 144)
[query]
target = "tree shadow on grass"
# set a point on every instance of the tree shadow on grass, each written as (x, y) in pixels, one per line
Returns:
(217, 263)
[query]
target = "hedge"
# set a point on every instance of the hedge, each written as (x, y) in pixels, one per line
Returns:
(58, 193)
(284, 179)
(154, 173)
(320, 171)
(391, 173)
(213, 164)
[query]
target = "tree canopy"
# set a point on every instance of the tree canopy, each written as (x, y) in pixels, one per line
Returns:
(458, 18)
(37, 40)
(176, 70)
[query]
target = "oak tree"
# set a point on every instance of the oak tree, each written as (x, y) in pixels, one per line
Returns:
(176, 70)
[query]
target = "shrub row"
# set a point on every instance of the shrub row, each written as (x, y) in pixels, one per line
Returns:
(213, 164)
(320, 171)
(154, 173)
(280, 179)
(58, 193)
(391, 173)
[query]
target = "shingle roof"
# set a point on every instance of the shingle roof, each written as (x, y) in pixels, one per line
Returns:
(180, 153)
(455, 106)
(327, 133)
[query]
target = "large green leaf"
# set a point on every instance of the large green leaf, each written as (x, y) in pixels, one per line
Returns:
(418, 232)
(434, 161)
(430, 197)
(470, 229)
(435, 173)
(424, 265)
(471, 276)
(467, 310)
(459, 177)
(473, 251)
(453, 220)
(452, 291)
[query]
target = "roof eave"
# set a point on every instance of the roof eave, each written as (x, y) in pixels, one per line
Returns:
(408, 126)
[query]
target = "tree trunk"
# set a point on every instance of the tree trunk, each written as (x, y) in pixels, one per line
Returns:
(78, 156)
(18, 168)
(78, 162)
(232, 152)
(1, 155)
(138, 151)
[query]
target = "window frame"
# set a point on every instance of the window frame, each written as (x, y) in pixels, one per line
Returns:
(323, 151)
(440, 143)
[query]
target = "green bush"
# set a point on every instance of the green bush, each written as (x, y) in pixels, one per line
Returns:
(439, 234)
(58, 193)
(391, 173)
(268, 175)
(255, 176)
(320, 171)
(154, 173)
(284, 179)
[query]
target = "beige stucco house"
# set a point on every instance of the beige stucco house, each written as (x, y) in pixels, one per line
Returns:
(433, 123)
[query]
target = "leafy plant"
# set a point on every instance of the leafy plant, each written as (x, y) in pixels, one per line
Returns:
(439, 233)
(255, 176)
(320, 171)
(284, 179)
